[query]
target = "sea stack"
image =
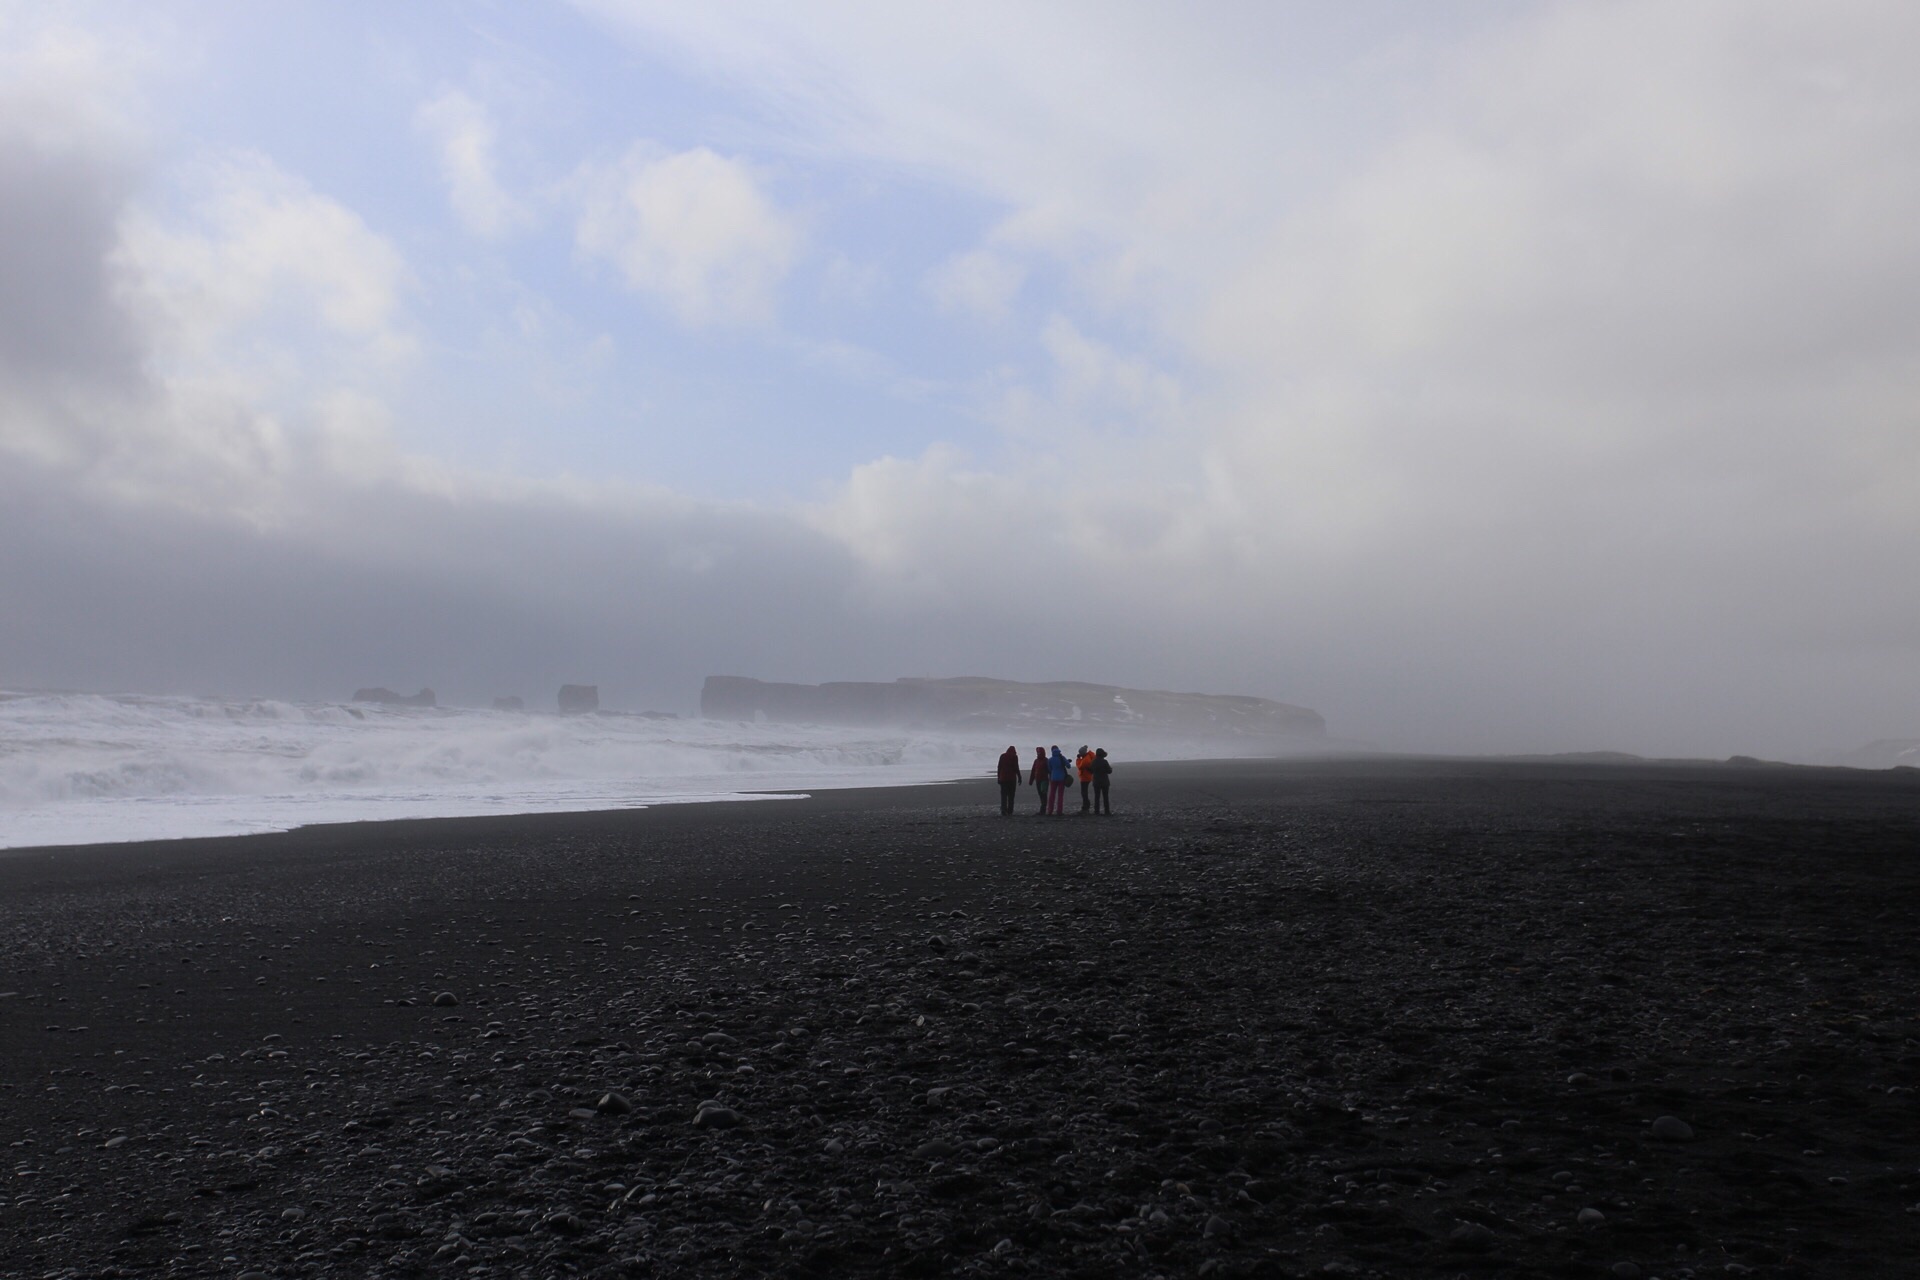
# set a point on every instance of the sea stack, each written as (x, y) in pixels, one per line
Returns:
(579, 699)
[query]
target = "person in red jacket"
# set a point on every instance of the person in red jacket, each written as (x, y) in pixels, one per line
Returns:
(1038, 775)
(1009, 775)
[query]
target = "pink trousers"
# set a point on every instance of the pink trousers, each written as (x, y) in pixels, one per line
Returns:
(1057, 798)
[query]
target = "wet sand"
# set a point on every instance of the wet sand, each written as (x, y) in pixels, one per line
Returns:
(1382, 1018)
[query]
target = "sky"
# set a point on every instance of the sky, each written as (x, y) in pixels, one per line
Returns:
(1489, 377)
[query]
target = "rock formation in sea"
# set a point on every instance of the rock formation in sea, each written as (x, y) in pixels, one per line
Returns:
(980, 702)
(424, 698)
(578, 699)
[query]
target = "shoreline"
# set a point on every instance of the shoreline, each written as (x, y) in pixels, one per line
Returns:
(1382, 762)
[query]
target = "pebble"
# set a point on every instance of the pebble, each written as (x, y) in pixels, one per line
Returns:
(936, 1149)
(1671, 1129)
(1591, 1217)
(1470, 1237)
(614, 1104)
(715, 1116)
(445, 1000)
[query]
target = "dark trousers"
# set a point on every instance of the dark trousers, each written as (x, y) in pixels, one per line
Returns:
(1085, 804)
(1103, 796)
(1007, 790)
(1041, 788)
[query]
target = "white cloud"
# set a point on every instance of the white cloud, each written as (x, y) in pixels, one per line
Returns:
(463, 132)
(65, 88)
(691, 228)
(980, 283)
(263, 248)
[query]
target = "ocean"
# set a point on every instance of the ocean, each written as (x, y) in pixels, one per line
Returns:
(91, 768)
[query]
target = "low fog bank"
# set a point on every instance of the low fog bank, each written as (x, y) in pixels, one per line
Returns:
(482, 601)
(486, 598)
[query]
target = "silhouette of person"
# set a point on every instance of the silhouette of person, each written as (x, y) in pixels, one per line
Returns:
(1009, 777)
(1038, 775)
(1083, 769)
(1102, 769)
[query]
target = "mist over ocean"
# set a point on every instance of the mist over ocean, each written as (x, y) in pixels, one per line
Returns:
(86, 768)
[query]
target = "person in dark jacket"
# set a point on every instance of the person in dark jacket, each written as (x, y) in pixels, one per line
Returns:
(1102, 783)
(1059, 771)
(1009, 776)
(1038, 775)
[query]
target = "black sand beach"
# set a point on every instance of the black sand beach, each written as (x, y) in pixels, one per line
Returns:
(1346, 1019)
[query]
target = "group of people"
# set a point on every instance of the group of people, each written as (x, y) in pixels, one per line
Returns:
(1051, 775)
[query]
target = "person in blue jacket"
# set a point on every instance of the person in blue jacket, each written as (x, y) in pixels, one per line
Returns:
(1059, 773)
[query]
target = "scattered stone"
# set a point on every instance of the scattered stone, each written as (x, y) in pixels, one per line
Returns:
(614, 1104)
(712, 1115)
(1671, 1129)
(445, 1000)
(1470, 1237)
(1590, 1217)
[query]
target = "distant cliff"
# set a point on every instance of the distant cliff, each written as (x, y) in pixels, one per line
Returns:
(978, 702)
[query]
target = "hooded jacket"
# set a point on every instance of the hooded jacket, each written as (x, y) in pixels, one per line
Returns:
(1058, 769)
(1010, 766)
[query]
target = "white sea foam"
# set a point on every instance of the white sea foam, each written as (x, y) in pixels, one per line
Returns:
(83, 768)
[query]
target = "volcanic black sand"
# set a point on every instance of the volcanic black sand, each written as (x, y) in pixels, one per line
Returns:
(1383, 1018)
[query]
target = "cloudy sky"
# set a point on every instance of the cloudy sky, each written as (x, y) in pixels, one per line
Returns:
(1487, 376)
